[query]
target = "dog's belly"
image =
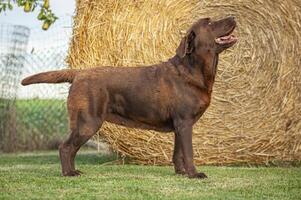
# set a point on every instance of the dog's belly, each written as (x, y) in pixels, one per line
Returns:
(144, 111)
(123, 121)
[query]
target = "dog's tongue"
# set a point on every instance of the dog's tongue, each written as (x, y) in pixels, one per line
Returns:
(226, 39)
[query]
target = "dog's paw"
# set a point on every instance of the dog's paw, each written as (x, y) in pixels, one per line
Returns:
(180, 172)
(199, 175)
(72, 173)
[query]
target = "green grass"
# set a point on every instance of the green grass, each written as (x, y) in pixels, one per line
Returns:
(39, 123)
(46, 117)
(37, 176)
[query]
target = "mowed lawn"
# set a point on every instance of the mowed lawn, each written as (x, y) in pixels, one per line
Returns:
(37, 176)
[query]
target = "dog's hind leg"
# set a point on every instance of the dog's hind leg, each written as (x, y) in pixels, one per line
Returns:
(84, 123)
(178, 158)
(87, 127)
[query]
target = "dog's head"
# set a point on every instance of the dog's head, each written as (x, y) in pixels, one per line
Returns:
(207, 35)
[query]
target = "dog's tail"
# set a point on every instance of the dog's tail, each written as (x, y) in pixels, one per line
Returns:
(60, 76)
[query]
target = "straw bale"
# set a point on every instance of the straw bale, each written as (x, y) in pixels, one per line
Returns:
(255, 114)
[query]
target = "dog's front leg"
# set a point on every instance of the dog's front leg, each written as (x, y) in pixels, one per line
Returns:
(183, 129)
(178, 158)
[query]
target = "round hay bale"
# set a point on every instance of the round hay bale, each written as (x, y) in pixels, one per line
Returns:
(255, 114)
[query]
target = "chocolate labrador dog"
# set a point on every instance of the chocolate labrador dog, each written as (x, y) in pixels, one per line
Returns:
(170, 96)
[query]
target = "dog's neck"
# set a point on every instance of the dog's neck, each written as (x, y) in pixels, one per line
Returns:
(198, 71)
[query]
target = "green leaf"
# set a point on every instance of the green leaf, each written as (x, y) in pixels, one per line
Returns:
(33, 7)
(10, 7)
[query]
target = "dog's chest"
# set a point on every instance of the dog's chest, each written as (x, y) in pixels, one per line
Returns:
(193, 104)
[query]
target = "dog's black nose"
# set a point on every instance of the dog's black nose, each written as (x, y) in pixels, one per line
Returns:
(232, 17)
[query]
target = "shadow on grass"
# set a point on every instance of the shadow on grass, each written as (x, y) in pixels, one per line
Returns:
(90, 158)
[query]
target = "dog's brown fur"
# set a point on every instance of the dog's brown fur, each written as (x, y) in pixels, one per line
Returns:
(170, 96)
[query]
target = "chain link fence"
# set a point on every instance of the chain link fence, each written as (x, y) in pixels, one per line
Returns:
(35, 116)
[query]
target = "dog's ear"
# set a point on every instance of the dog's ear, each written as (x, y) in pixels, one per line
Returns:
(187, 44)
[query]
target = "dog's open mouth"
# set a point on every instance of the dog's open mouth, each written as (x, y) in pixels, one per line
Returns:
(226, 39)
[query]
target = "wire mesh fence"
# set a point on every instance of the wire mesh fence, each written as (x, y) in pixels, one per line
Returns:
(13, 42)
(35, 116)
